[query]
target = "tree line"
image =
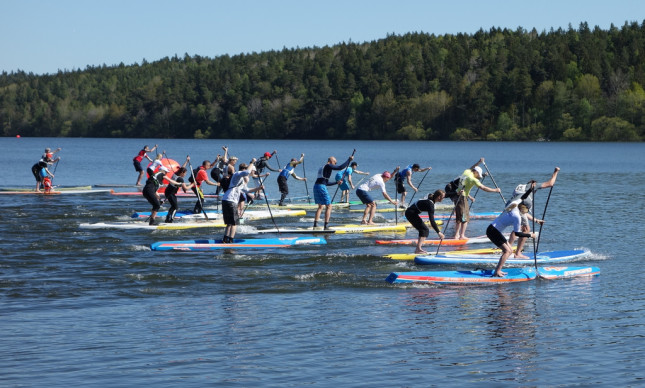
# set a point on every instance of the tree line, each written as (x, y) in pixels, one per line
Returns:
(501, 84)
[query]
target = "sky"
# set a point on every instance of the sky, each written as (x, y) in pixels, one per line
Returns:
(45, 36)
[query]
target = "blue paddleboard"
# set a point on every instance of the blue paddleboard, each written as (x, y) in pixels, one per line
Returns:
(551, 257)
(479, 276)
(559, 272)
(255, 243)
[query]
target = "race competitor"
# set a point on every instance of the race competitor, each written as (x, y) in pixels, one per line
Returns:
(528, 202)
(412, 214)
(201, 176)
(40, 171)
(458, 190)
(288, 170)
(376, 181)
(406, 175)
(346, 177)
(150, 193)
(321, 195)
(136, 161)
(231, 198)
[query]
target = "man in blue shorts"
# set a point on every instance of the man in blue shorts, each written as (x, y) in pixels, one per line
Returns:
(321, 195)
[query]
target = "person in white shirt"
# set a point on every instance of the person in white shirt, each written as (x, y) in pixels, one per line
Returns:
(376, 181)
(231, 199)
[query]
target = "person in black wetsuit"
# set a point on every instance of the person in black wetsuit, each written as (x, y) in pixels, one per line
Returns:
(174, 184)
(412, 213)
(150, 193)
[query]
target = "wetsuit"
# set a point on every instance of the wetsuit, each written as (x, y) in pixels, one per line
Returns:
(412, 213)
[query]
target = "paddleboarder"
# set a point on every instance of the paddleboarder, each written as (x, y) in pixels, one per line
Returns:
(288, 170)
(321, 195)
(217, 172)
(231, 198)
(376, 181)
(174, 184)
(260, 164)
(511, 216)
(405, 175)
(136, 161)
(201, 176)
(40, 171)
(458, 191)
(412, 214)
(526, 228)
(346, 177)
(153, 183)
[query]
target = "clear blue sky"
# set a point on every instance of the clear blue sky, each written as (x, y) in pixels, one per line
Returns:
(43, 36)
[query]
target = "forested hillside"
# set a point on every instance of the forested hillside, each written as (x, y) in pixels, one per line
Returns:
(574, 84)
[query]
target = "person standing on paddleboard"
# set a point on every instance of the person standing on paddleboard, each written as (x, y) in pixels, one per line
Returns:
(405, 175)
(346, 177)
(150, 193)
(458, 191)
(321, 195)
(412, 214)
(511, 216)
(231, 198)
(174, 184)
(526, 228)
(201, 176)
(260, 165)
(376, 181)
(137, 161)
(217, 172)
(288, 170)
(40, 170)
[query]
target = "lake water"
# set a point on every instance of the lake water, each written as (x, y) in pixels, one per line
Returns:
(97, 307)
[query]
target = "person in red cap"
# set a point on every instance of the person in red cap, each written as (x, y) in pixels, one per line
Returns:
(260, 165)
(40, 170)
(376, 181)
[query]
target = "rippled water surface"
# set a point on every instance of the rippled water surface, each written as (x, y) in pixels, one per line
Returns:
(96, 305)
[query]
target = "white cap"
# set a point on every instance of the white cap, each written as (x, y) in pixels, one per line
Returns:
(479, 170)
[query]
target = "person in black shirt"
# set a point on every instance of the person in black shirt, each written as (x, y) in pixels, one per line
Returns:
(412, 213)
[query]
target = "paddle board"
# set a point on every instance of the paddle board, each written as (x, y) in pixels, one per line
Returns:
(411, 256)
(160, 226)
(258, 243)
(480, 276)
(248, 215)
(481, 215)
(449, 258)
(179, 194)
(432, 241)
(303, 206)
(340, 229)
(566, 272)
(55, 188)
(56, 192)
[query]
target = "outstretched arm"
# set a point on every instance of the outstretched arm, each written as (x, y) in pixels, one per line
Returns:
(551, 181)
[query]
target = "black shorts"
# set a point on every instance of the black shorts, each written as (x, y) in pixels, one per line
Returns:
(282, 184)
(137, 165)
(416, 221)
(230, 213)
(399, 186)
(35, 169)
(495, 236)
(151, 196)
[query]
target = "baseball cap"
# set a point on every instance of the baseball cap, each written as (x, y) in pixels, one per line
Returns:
(267, 154)
(479, 170)
(386, 174)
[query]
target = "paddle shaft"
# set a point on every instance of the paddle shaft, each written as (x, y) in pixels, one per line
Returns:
(419, 186)
(266, 199)
(543, 215)
(445, 228)
(304, 173)
(344, 171)
(495, 183)
(198, 191)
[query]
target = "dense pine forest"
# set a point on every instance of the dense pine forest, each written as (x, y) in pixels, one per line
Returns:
(501, 84)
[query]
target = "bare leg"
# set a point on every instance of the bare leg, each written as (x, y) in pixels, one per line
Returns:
(506, 252)
(372, 211)
(327, 213)
(419, 245)
(139, 178)
(317, 216)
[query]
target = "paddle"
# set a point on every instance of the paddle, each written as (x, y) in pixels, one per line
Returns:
(304, 173)
(396, 204)
(419, 185)
(266, 199)
(445, 227)
(198, 191)
(344, 171)
(491, 177)
(54, 173)
(543, 215)
(276, 158)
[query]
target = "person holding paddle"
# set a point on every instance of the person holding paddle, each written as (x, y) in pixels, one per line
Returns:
(376, 181)
(201, 176)
(40, 170)
(287, 171)
(405, 175)
(321, 195)
(511, 216)
(136, 161)
(174, 184)
(231, 199)
(346, 177)
(459, 191)
(150, 193)
(519, 191)
(412, 214)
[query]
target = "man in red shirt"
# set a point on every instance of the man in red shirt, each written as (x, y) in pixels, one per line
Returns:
(201, 177)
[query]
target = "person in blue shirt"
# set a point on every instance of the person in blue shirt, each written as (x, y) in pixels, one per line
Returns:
(287, 171)
(321, 195)
(405, 175)
(346, 177)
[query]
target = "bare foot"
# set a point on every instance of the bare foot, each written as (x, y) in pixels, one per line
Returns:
(371, 223)
(420, 251)
(363, 222)
(521, 256)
